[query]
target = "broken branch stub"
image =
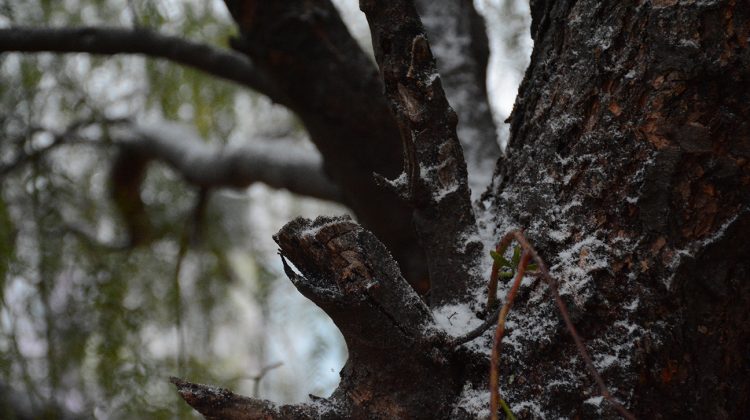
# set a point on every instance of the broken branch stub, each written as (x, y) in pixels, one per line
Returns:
(436, 177)
(395, 349)
(348, 273)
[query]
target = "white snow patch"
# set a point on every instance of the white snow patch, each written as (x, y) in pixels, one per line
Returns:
(619, 342)
(533, 407)
(603, 37)
(558, 235)
(690, 43)
(632, 306)
(563, 122)
(563, 161)
(603, 361)
(596, 401)
(475, 401)
(575, 264)
(312, 231)
(399, 182)
(723, 229)
(573, 203)
(456, 320)
(519, 330)
(433, 76)
(430, 173)
(629, 327)
(444, 191)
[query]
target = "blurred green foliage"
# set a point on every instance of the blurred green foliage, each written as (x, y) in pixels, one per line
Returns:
(87, 329)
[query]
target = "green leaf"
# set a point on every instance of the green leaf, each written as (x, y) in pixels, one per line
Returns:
(500, 260)
(532, 267)
(516, 256)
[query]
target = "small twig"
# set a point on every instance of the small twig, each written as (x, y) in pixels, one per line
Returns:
(476, 332)
(499, 332)
(181, 341)
(257, 378)
(564, 313)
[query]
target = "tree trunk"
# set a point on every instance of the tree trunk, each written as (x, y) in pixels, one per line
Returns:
(627, 168)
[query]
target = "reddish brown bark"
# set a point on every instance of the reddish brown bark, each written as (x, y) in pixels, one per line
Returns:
(628, 168)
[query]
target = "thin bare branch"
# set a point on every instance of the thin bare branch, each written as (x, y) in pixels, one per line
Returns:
(257, 378)
(478, 331)
(223, 63)
(90, 239)
(565, 314)
(67, 137)
(499, 332)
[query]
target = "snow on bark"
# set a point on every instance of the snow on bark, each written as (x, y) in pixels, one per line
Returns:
(434, 163)
(627, 182)
(275, 163)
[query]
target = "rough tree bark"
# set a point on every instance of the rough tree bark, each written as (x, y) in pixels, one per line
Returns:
(628, 160)
(333, 86)
(627, 167)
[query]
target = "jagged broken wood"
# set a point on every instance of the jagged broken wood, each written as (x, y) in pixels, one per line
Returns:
(346, 271)
(395, 348)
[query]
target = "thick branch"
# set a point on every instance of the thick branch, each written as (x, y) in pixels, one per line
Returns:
(219, 403)
(436, 178)
(204, 166)
(276, 164)
(347, 271)
(335, 90)
(389, 331)
(108, 41)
